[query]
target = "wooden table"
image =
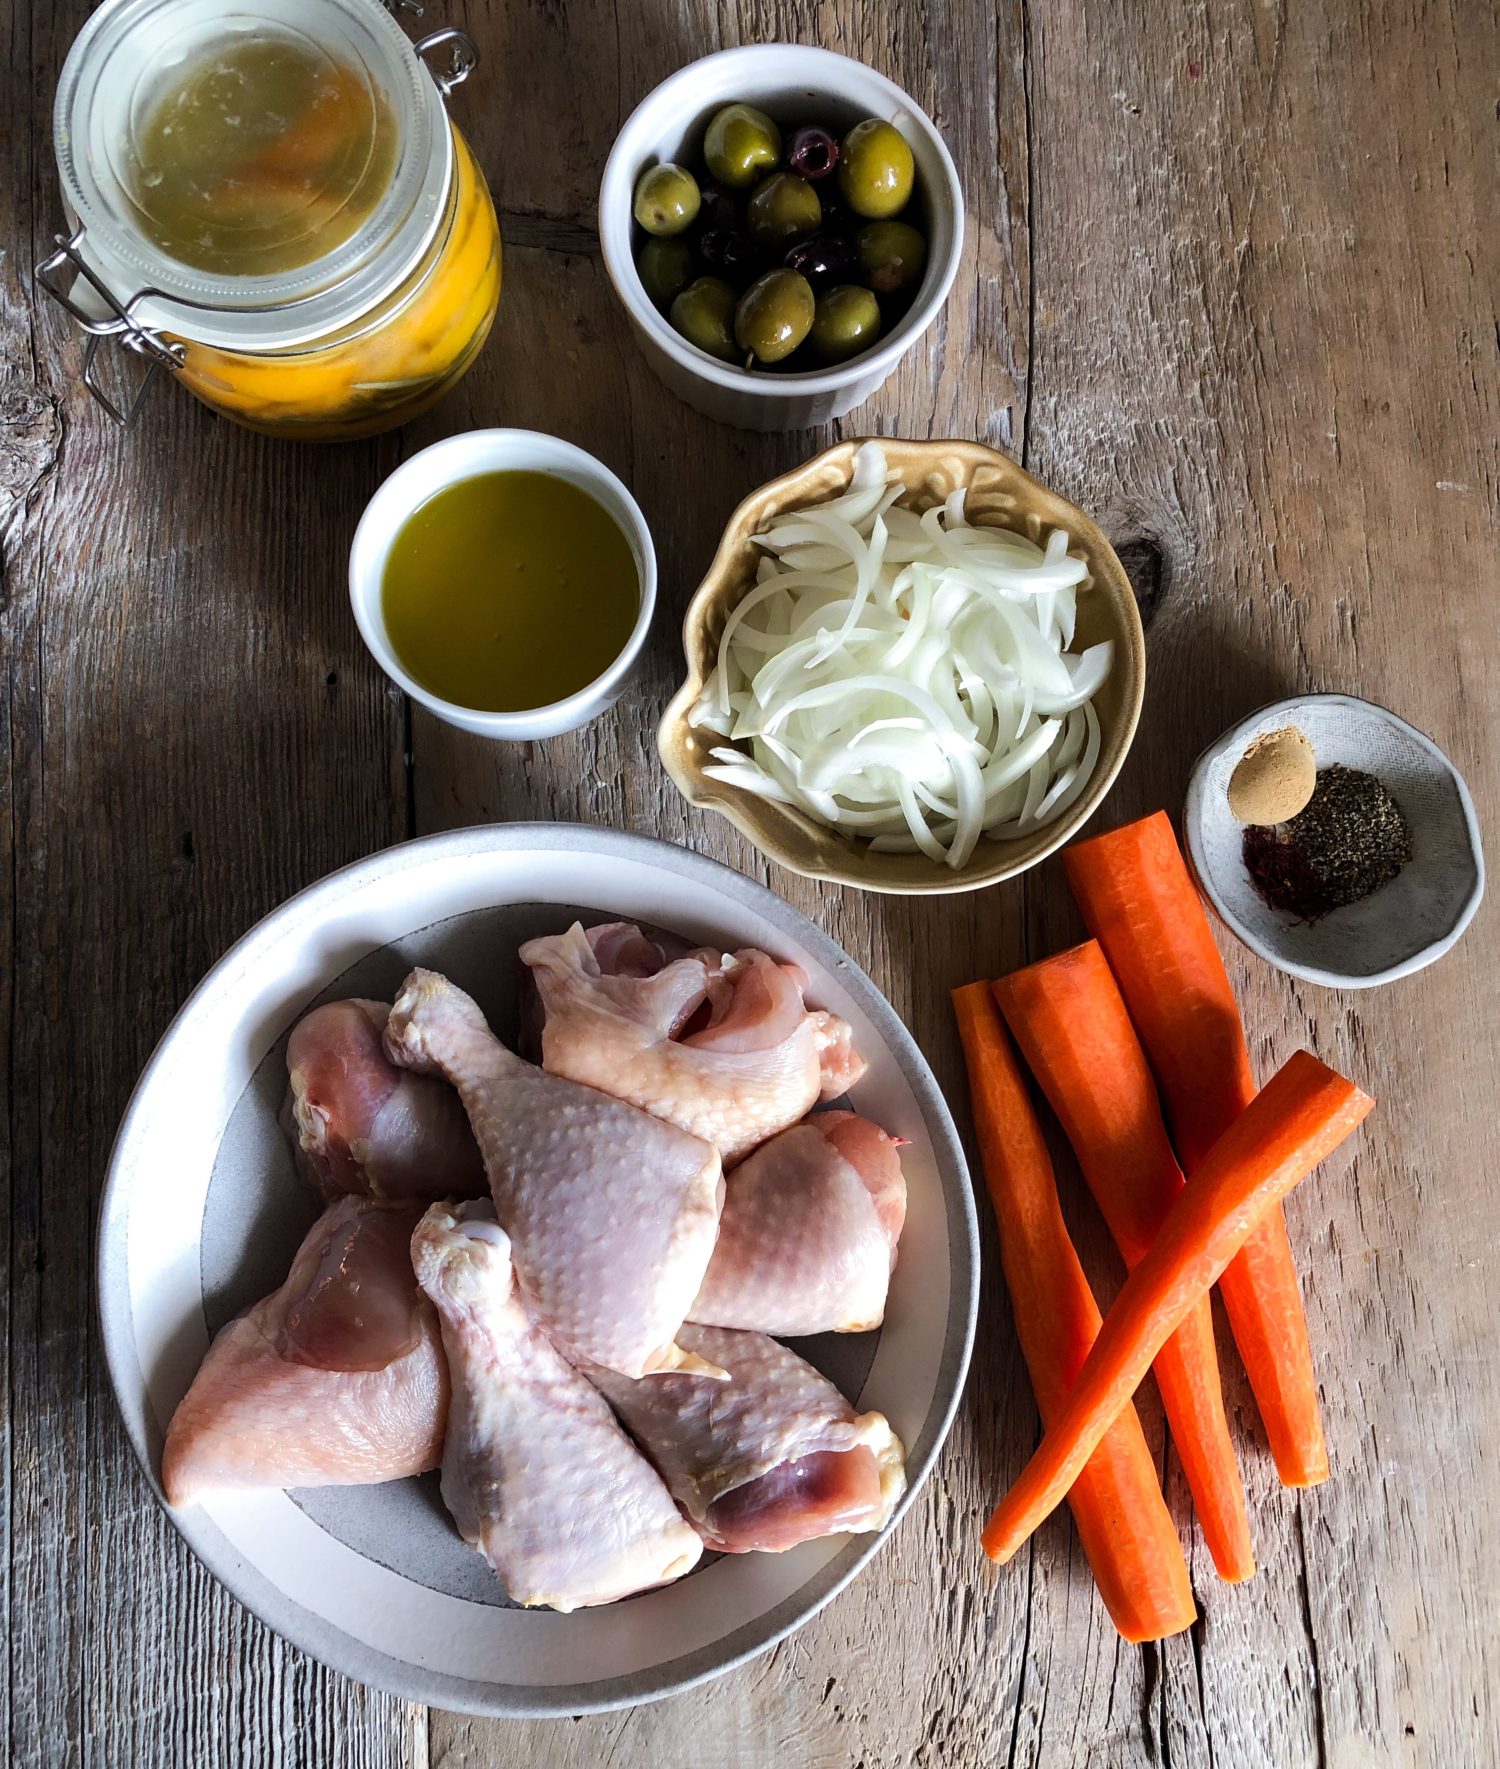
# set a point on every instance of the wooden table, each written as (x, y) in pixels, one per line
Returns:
(1228, 284)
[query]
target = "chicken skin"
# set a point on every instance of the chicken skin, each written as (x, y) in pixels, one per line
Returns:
(338, 1379)
(362, 1125)
(773, 1457)
(611, 1213)
(536, 1471)
(807, 1239)
(721, 1045)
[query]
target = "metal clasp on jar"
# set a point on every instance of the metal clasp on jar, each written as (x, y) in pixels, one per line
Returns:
(463, 51)
(118, 320)
(463, 56)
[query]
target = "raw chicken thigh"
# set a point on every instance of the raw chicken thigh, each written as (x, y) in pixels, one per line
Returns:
(536, 1471)
(611, 1213)
(362, 1124)
(336, 1379)
(720, 1045)
(807, 1239)
(774, 1457)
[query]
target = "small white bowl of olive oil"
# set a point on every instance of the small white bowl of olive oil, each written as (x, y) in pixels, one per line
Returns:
(506, 580)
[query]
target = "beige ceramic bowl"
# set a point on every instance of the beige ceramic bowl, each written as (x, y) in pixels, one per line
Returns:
(1000, 494)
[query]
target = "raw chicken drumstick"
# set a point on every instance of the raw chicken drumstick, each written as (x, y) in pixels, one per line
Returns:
(537, 1473)
(722, 1046)
(611, 1213)
(338, 1379)
(774, 1457)
(363, 1125)
(807, 1238)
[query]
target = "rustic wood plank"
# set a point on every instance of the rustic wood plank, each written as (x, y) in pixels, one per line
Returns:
(891, 1672)
(187, 745)
(1282, 215)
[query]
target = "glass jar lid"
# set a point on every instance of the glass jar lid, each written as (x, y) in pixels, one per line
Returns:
(363, 214)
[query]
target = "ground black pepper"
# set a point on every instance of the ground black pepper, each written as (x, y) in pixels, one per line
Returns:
(1347, 841)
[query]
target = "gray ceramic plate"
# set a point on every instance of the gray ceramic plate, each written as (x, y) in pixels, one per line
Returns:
(1401, 928)
(202, 1211)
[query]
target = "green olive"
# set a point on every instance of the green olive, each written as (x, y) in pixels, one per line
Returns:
(785, 208)
(891, 255)
(666, 199)
(774, 315)
(875, 169)
(704, 314)
(666, 268)
(847, 321)
(740, 145)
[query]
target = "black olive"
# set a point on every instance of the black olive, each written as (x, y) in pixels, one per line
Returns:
(730, 253)
(812, 152)
(823, 260)
(718, 208)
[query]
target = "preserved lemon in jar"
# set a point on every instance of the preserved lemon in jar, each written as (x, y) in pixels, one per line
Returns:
(270, 202)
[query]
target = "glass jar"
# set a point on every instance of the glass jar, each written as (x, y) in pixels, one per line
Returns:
(324, 261)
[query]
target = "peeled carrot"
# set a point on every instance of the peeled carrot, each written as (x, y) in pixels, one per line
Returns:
(1072, 1027)
(1118, 1509)
(1301, 1115)
(1141, 906)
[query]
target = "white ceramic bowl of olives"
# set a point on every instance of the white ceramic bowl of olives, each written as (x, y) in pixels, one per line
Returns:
(782, 225)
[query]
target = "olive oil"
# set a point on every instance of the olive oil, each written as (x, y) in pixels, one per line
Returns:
(509, 591)
(261, 155)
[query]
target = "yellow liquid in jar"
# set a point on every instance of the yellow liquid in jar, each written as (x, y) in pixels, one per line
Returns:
(262, 155)
(509, 591)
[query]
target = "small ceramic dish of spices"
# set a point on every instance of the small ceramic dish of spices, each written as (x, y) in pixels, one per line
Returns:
(1335, 840)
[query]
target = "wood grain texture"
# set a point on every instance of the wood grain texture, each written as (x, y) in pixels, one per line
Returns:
(1228, 283)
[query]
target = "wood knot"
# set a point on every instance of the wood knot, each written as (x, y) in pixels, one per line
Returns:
(1149, 573)
(31, 433)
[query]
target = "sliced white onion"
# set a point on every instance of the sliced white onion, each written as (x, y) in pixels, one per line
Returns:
(1089, 673)
(907, 679)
